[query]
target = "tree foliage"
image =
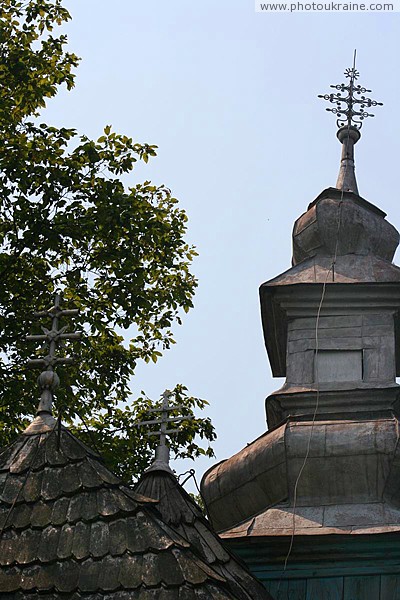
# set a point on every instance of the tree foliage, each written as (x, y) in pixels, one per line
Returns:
(68, 221)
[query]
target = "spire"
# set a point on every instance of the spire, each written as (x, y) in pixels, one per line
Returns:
(161, 462)
(48, 380)
(350, 111)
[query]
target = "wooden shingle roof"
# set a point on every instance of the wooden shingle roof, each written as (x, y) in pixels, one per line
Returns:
(71, 529)
(180, 512)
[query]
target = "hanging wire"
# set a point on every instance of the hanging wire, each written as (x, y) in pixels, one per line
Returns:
(308, 449)
(192, 473)
(59, 427)
(88, 430)
(189, 474)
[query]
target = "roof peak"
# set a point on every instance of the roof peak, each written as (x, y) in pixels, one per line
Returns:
(180, 511)
(161, 461)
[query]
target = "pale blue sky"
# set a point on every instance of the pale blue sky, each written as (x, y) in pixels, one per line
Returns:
(230, 98)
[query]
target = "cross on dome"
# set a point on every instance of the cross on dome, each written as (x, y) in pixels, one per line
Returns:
(351, 104)
(48, 380)
(350, 107)
(161, 461)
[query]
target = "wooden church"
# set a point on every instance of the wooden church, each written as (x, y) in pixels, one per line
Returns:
(71, 530)
(313, 505)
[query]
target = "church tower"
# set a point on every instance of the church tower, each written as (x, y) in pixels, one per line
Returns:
(313, 505)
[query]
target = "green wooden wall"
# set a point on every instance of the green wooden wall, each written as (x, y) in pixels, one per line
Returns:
(337, 567)
(370, 587)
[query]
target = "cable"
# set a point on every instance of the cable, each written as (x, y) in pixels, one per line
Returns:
(331, 269)
(312, 423)
(189, 474)
(192, 473)
(89, 432)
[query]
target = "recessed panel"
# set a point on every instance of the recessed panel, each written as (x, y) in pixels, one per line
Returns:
(338, 365)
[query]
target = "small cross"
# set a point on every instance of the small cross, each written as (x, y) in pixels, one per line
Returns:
(162, 450)
(53, 336)
(48, 380)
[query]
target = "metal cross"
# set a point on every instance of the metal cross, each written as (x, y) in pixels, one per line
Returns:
(350, 108)
(162, 450)
(164, 419)
(48, 379)
(53, 336)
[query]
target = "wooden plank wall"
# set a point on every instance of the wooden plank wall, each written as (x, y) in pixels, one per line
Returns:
(372, 587)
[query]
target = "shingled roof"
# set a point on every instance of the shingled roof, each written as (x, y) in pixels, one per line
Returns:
(180, 512)
(71, 529)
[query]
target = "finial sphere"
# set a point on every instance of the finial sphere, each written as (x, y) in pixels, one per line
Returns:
(48, 380)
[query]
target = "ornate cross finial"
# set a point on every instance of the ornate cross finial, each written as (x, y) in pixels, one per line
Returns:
(350, 107)
(350, 111)
(48, 379)
(161, 461)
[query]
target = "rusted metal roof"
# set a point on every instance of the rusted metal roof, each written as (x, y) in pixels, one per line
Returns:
(180, 512)
(361, 518)
(350, 482)
(71, 529)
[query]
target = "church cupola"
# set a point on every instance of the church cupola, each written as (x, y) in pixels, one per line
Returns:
(320, 487)
(341, 239)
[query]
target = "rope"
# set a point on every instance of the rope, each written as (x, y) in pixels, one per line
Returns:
(311, 430)
(307, 454)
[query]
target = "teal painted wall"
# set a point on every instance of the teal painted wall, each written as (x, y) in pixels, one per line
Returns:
(371, 587)
(334, 568)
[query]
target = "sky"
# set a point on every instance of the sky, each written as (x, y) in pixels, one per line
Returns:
(230, 98)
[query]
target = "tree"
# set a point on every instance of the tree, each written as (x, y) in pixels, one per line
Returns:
(67, 221)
